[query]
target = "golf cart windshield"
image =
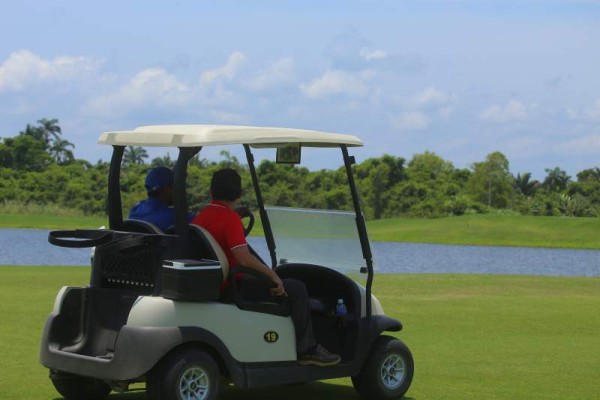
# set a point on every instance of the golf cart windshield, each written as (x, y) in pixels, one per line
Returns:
(320, 237)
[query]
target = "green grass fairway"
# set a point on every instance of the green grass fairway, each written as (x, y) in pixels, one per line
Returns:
(493, 230)
(480, 337)
(49, 221)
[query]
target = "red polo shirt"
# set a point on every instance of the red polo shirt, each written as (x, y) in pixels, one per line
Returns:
(225, 225)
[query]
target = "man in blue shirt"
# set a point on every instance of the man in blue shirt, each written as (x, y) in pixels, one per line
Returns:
(157, 208)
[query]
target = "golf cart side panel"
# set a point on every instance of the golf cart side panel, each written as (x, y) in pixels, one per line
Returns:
(137, 350)
(242, 332)
(376, 308)
(87, 319)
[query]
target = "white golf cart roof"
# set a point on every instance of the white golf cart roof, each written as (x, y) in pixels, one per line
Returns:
(209, 135)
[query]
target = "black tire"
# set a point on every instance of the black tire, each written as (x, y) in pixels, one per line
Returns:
(74, 387)
(388, 371)
(184, 375)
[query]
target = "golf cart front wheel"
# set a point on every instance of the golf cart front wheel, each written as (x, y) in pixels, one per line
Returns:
(186, 375)
(74, 387)
(387, 372)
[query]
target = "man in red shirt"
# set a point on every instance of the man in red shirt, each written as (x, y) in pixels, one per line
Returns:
(225, 225)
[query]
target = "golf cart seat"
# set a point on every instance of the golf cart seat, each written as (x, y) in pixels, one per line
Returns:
(206, 247)
(210, 249)
(139, 226)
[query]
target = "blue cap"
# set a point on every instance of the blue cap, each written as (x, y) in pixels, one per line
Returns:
(159, 178)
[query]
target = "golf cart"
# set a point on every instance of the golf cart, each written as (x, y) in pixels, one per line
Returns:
(152, 313)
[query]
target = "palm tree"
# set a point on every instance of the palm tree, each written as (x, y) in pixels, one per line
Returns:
(59, 150)
(46, 132)
(525, 186)
(591, 174)
(134, 155)
(35, 132)
(229, 160)
(556, 180)
(199, 162)
(50, 129)
(164, 161)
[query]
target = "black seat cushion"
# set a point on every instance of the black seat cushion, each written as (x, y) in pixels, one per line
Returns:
(232, 295)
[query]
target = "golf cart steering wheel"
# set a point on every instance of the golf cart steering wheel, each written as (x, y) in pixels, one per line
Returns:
(245, 212)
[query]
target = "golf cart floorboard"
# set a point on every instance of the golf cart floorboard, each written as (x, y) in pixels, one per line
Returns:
(295, 373)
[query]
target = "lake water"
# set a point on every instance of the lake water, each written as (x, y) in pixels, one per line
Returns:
(31, 247)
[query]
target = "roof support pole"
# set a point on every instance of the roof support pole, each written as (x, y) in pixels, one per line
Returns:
(261, 207)
(180, 191)
(115, 211)
(360, 225)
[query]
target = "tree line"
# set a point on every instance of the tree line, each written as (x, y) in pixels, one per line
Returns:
(38, 166)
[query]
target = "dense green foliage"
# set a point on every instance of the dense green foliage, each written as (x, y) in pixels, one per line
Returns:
(472, 336)
(37, 167)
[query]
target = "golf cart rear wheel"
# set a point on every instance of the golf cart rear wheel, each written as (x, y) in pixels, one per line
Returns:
(185, 375)
(387, 372)
(74, 387)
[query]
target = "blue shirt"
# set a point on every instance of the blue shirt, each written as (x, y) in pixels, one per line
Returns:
(153, 210)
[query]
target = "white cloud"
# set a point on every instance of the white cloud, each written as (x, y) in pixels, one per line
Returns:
(281, 72)
(572, 113)
(421, 109)
(368, 54)
(586, 114)
(589, 144)
(24, 68)
(513, 111)
(593, 113)
(227, 72)
(346, 48)
(526, 146)
(214, 83)
(226, 117)
(411, 121)
(351, 51)
(334, 82)
(430, 97)
(152, 86)
(445, 111)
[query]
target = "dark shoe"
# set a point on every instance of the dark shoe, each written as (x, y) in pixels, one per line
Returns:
(319, 356)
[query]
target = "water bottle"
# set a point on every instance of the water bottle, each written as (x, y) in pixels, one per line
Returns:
(340, 308)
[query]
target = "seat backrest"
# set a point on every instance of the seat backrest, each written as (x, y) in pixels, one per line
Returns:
(210, 248)
(139, 226)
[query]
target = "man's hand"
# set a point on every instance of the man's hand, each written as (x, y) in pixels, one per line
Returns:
(244, 257)
(278, 290)
(243, 211)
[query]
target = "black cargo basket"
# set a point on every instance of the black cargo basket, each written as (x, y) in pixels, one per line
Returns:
(129, 262)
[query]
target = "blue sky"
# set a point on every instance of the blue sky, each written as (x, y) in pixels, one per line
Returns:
(460, 78)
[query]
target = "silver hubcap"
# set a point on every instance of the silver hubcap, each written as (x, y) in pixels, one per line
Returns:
(194, 384)
(392, 371)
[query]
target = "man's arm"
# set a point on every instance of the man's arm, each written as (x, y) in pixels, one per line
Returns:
(245, 258)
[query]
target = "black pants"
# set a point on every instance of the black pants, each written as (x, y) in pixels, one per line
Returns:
(255, 289)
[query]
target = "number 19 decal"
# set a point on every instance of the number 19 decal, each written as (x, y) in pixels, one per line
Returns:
(271, 337)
